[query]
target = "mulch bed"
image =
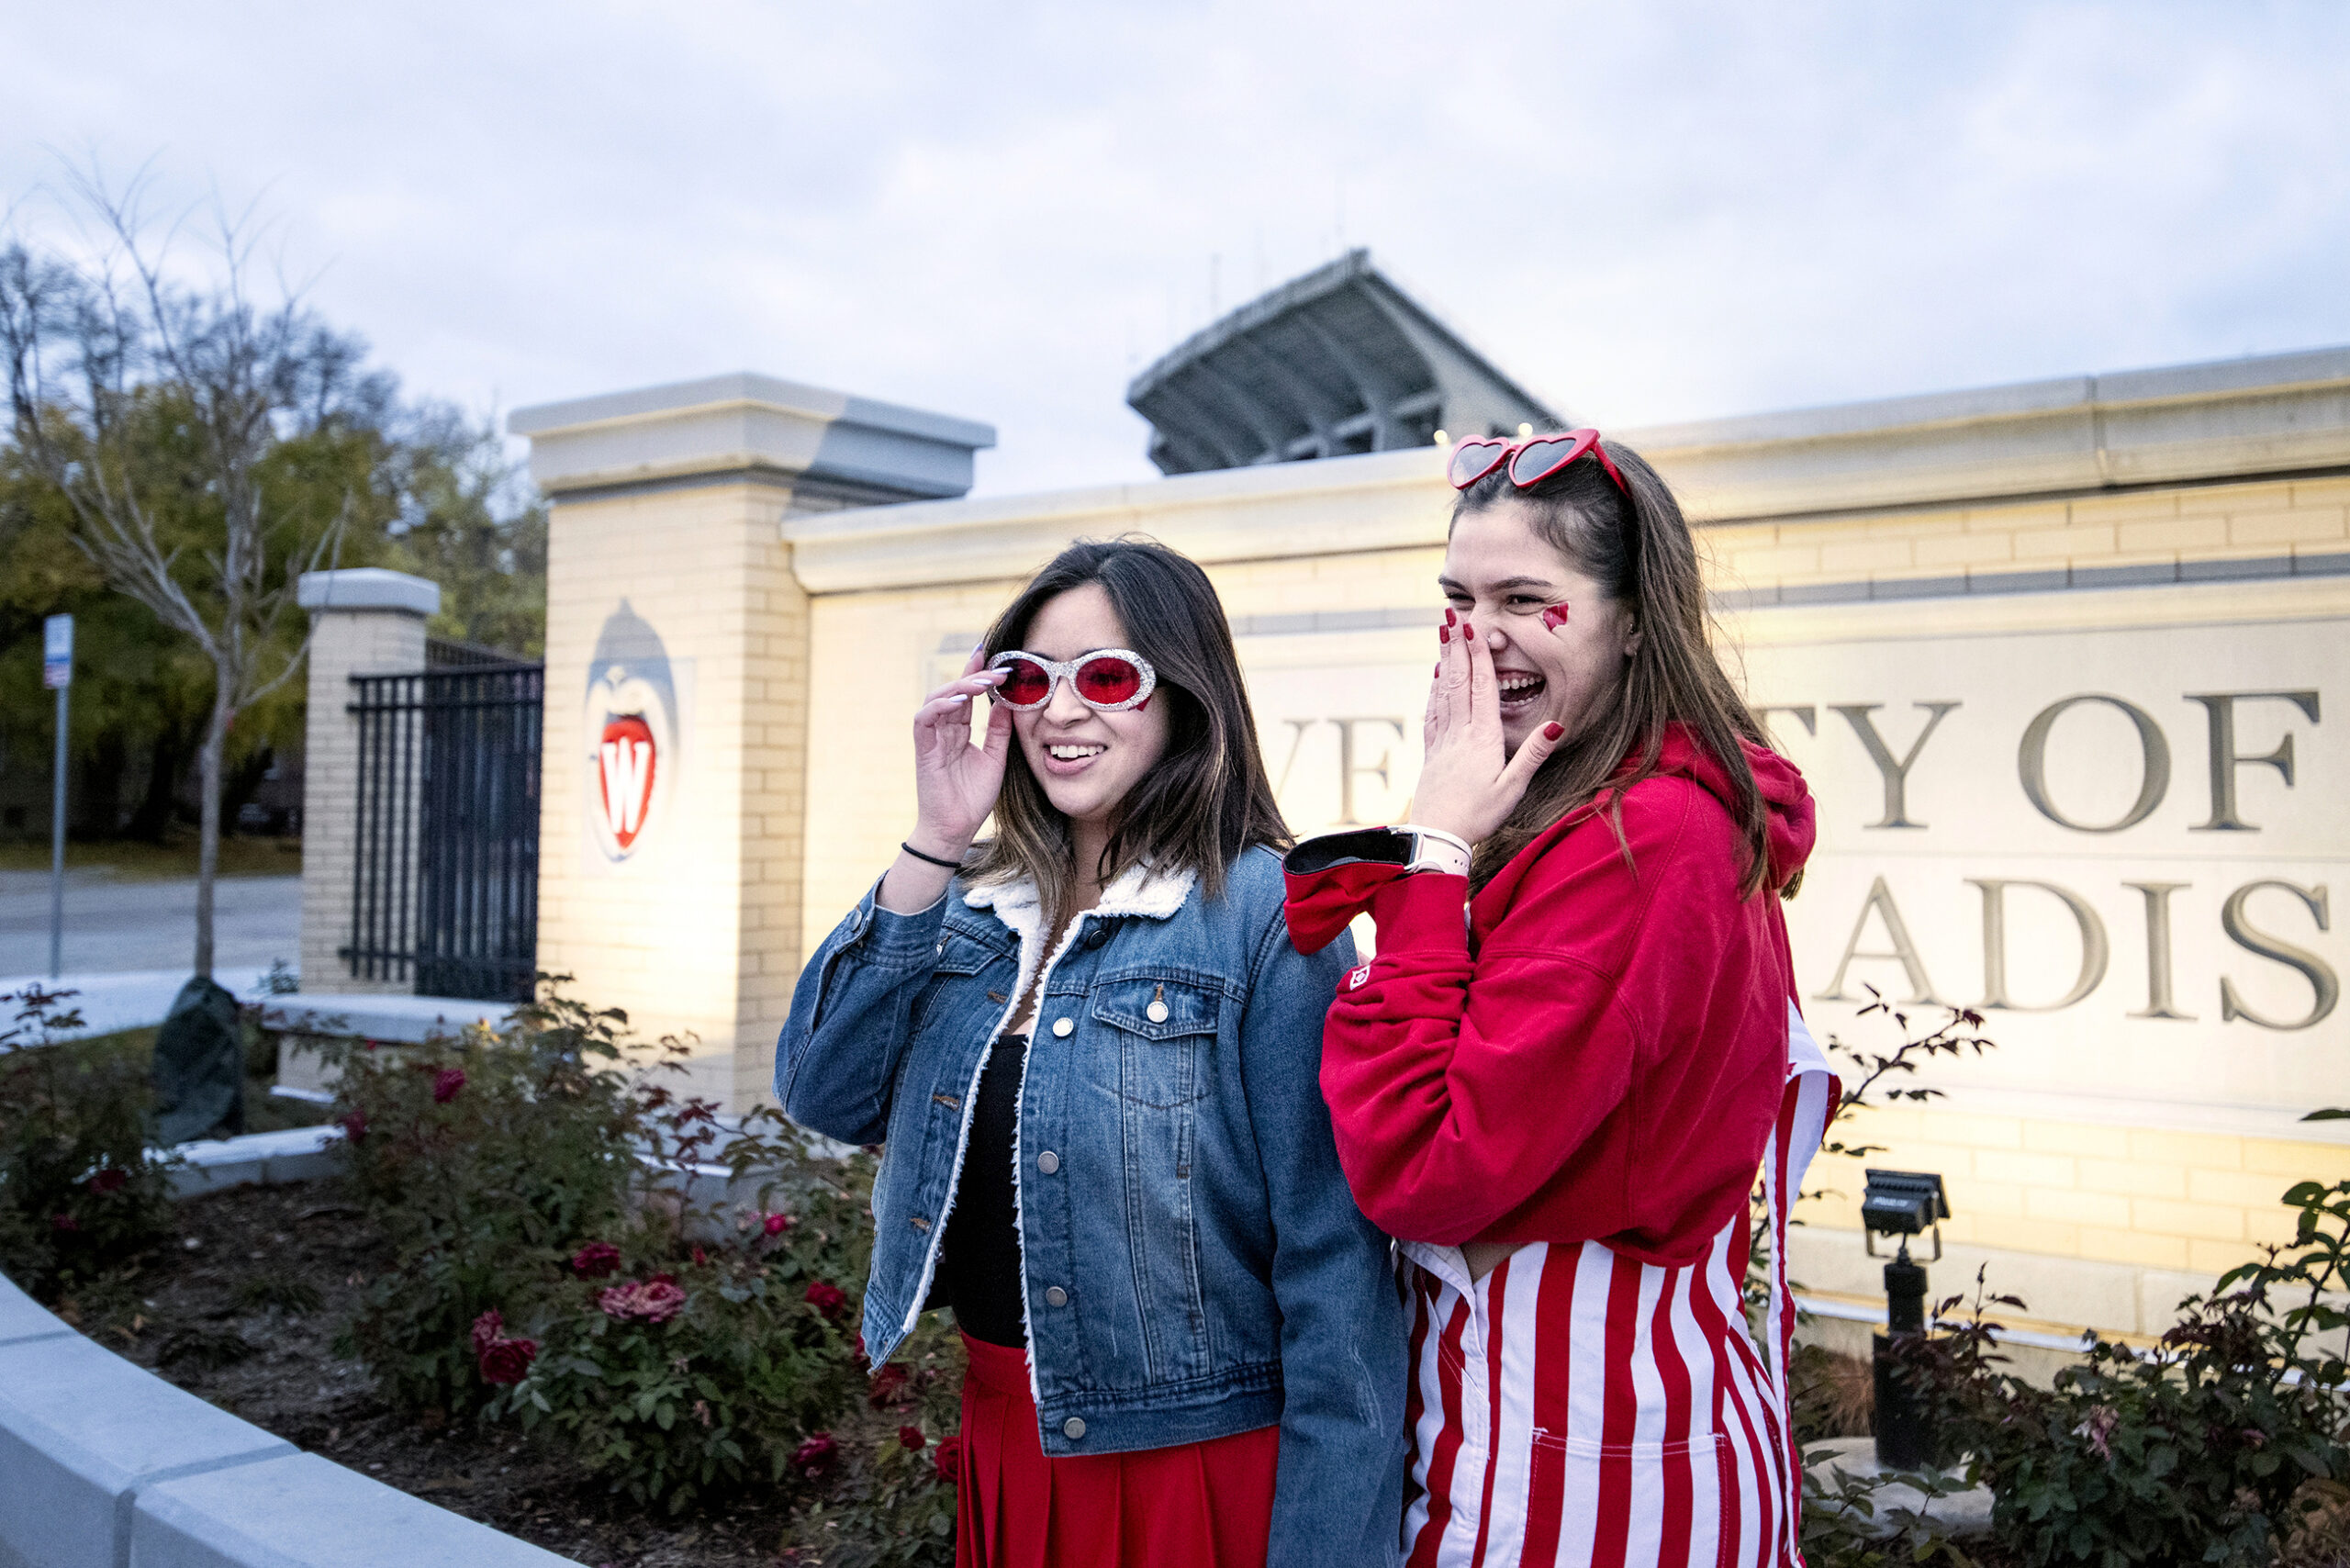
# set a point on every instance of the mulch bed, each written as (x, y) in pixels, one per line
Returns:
(243, 1313)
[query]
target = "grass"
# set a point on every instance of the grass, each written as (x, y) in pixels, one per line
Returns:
(134, 861)
(263, 1112)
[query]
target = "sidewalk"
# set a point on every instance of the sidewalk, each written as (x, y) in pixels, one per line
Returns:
(133, 999)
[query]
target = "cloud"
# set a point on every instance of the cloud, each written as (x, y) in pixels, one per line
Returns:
(1649, 213)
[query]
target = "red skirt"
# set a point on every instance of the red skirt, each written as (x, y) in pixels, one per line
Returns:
(1207, 1504)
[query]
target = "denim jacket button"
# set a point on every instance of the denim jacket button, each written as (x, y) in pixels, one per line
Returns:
(1064, 1027)
(1048, 1162)
(1073, 1429)
(1056, 1296)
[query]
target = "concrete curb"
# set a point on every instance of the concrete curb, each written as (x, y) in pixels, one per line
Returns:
(102, 1464)
(256, 1159)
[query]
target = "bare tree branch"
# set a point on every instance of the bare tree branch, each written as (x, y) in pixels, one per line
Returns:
(110, 361)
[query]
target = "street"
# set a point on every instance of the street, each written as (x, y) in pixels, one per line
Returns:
(113, 925)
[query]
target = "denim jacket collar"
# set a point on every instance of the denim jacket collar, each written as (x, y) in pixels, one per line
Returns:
(1139, 889)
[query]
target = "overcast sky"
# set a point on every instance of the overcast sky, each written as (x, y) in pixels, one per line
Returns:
(1646, 212)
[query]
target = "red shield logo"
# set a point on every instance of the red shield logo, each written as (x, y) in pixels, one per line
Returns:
(624, 762)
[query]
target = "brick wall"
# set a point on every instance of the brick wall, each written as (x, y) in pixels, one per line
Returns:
(698, 933)
(345, 642)
(2214, 522)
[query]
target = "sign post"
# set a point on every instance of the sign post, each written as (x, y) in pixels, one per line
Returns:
(57, 674)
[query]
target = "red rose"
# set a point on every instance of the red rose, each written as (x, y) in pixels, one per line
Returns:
(949, 1460)
(504, 1360)
(355, 1125)
(776, 1225)
(109, 1179)
(817, 1455)
(487, 1328)
(700, 1256)
(911, 1439)
(862, 1361)
(446, 1084)
(654, 1301)
(596, 1260)
(827, 1299)
(65, 1222)
(889, 1386)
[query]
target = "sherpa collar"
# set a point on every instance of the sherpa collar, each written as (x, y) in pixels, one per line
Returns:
(1138, 891)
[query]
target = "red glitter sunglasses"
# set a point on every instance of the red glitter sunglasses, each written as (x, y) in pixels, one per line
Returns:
(1532, 459)
(1108, 679)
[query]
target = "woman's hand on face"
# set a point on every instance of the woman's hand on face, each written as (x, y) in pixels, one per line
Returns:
(955, 783)
(1466, 785)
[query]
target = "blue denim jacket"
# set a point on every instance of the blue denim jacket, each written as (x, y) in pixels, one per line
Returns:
(1192, 1264)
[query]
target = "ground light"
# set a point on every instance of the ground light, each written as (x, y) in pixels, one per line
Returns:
(1902, 1204)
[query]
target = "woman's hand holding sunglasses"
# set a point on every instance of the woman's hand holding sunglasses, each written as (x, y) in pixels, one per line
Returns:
(1467, 785)
(956, 785)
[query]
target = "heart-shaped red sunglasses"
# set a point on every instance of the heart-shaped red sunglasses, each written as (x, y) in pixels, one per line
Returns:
(1532, 459)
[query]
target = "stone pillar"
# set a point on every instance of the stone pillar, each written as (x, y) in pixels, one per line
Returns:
(671, 850)
(365, 620)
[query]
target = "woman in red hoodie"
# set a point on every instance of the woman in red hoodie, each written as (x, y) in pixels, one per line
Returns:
(1563, 1101)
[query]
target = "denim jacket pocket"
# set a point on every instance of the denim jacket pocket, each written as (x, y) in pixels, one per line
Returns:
(1164, 1026)
(959, 958)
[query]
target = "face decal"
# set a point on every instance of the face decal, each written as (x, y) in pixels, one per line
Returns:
(1511, 590)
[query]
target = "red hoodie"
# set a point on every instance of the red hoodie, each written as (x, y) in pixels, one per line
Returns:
(1600, 1053)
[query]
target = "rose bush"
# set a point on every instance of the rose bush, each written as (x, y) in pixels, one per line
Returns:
(670, 1386)
(80, 1194)
(892, 1499)
(562, 1260)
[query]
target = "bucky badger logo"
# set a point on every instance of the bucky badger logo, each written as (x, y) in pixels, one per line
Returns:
(632, 731)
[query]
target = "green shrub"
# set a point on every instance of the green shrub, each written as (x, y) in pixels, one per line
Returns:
(672, 1383)
(2192, 1452)
(80, 1193)
(894, 1507)
(555, 1264)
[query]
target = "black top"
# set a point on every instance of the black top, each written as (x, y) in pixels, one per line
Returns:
(978, 1263)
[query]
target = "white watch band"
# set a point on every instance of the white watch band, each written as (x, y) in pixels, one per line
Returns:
(1433, 849)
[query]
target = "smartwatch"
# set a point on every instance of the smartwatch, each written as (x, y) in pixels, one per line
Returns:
(1414, 848)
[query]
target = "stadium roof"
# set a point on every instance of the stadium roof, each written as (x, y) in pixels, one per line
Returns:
(1338, 361)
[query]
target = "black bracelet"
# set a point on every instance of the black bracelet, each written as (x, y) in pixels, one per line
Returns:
(933, 859)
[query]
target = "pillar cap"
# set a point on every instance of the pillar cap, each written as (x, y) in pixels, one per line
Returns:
(845, 449)
(368, 587)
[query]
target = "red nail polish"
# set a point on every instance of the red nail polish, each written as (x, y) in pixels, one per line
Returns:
(1555, 617)
(1442, 636)
(1448, 617)
(1469, 630)
(1554, 731)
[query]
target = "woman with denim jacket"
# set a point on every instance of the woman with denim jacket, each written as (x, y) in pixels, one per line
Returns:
(1093, 1052)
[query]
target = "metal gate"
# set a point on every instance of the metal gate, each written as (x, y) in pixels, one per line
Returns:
(445, 882)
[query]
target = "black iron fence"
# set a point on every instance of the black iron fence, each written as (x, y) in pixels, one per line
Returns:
(445, 886)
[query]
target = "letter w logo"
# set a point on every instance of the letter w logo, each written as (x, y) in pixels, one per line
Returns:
(625, 764)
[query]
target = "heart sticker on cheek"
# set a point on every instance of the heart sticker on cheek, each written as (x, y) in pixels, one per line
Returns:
(1554, 617)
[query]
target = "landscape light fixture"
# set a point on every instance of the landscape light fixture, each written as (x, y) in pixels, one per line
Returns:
(1902, 1204)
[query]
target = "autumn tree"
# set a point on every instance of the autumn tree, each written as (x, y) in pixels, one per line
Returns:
(173, 420)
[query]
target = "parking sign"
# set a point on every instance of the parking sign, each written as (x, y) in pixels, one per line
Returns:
(56, 652)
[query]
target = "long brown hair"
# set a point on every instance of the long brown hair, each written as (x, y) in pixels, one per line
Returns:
(1209, 798)
(1639, 549)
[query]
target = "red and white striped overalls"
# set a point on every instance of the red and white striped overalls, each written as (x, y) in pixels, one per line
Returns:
(1577, 1407)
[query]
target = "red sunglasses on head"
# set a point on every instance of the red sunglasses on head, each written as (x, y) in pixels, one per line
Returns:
(1532, 459)
(1108, 679)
